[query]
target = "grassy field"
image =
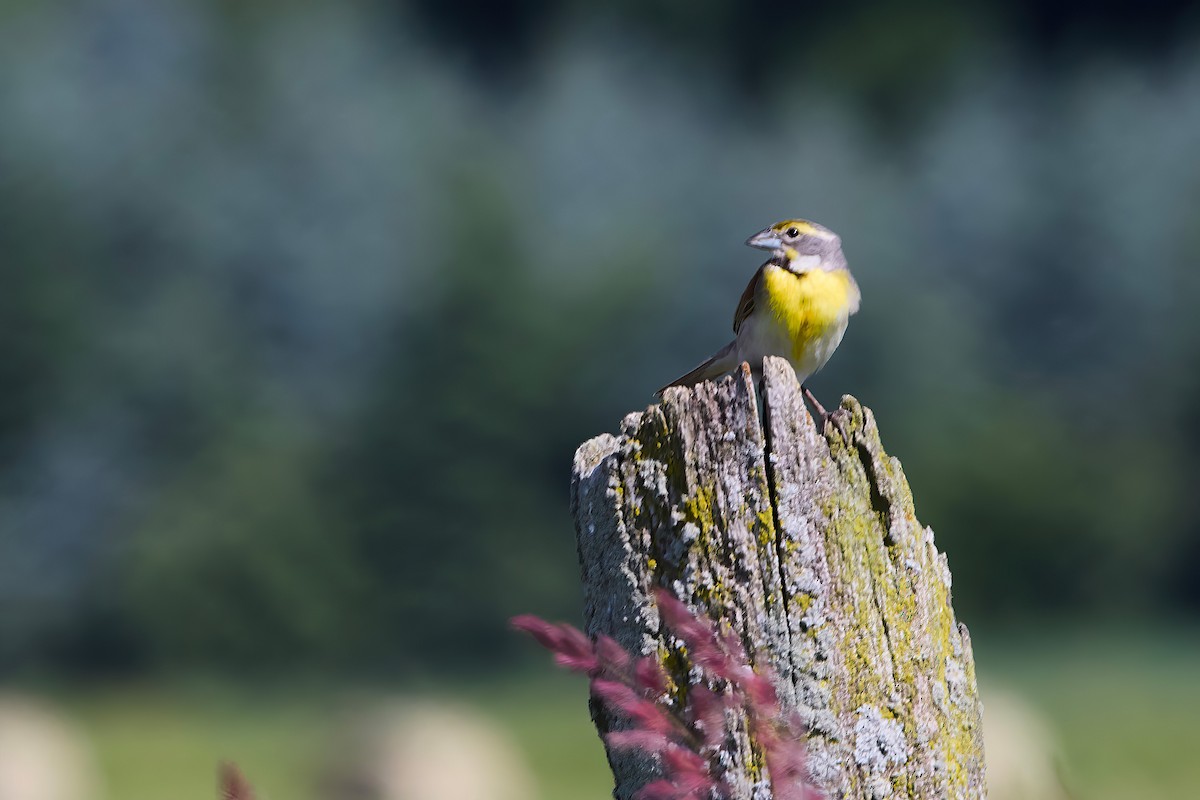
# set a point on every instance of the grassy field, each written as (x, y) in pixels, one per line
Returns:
(1123, 710)
(1126, 711)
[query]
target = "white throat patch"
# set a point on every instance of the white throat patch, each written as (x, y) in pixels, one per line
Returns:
(802, 264)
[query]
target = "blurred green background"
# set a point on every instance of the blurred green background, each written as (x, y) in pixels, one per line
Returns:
(307, 305)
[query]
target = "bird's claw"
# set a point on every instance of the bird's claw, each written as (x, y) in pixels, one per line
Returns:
(838, 420)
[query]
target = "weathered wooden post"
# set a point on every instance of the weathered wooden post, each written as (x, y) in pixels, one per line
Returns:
(806, 543)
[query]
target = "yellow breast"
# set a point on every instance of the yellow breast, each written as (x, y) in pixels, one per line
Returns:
(809, 306)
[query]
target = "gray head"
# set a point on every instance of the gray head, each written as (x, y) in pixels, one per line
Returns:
(796, 239)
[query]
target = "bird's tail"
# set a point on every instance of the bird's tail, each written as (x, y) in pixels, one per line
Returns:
(718, 363)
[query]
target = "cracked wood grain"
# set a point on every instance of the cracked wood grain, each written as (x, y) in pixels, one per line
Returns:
(806, 543)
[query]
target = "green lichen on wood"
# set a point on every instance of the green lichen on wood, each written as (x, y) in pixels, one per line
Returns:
(805, 543)
(896, 634)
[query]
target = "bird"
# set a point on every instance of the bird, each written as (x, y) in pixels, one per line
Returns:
(797, 306)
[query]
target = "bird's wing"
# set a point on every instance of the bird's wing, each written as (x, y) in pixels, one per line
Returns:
(719, 363)
(745, 306)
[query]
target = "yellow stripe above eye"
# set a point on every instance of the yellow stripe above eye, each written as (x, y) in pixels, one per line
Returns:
(798, 224)
(803, 226)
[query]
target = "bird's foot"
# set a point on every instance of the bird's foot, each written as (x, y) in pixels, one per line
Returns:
(838, 420)
(810, 397)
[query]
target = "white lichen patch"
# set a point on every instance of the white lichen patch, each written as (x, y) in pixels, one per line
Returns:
(958, 683)
(878, 741)
(824, 766)
(944, 569)
(879, 789)
(956, 676)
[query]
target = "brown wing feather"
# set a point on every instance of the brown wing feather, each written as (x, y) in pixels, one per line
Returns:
(745, 306)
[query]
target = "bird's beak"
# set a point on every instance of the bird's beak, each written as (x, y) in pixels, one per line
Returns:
(766, 239)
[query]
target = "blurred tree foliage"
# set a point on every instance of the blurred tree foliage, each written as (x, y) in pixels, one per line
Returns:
(307, 305)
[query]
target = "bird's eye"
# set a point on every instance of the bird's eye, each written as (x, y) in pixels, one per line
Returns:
(792, 233)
